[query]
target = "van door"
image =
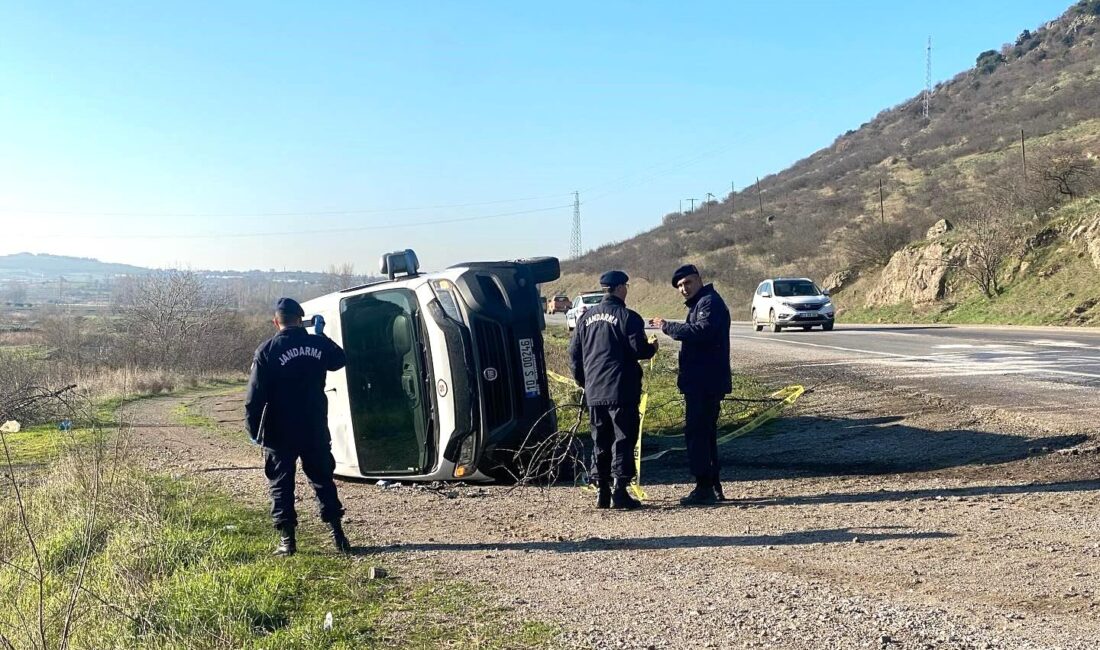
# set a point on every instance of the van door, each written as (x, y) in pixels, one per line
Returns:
(390, 408)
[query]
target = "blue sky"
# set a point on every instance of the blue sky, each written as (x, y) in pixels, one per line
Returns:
(298, 135)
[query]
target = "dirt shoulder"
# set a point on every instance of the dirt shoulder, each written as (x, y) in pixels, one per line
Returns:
(866, 518)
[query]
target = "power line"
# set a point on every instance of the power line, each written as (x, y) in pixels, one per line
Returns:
(312, 213)
(321, 231)
(575, 236)
(928, 80)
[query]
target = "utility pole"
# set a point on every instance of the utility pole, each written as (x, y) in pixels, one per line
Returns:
(759, 196)
(681, 206)
(692, 203)
(928, 80)
(1023, 154)
(575, 238)
(710, 199)
(733, 193)
(881, 205)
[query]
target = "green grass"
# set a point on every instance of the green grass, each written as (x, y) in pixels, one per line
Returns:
(183, 566)
(41, 444)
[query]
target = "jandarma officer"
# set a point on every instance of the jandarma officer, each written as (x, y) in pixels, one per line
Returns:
(603, 356)
(287, 414)
(704, 377)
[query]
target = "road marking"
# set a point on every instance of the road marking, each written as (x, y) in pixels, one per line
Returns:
(952, 364)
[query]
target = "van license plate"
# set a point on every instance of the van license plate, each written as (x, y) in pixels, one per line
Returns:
(530, 369)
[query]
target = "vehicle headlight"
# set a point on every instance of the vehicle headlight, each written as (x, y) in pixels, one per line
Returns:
(828, 305)
(788, 305)
(445, 293)
(467, 459)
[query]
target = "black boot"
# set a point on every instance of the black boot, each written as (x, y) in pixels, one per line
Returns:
(718, 493)
(603, 494)
(287, 544)
(702, 495)
(621, 499)
(339, 539)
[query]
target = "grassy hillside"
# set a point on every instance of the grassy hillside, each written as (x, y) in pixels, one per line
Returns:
(1052, 284)
(822, 214)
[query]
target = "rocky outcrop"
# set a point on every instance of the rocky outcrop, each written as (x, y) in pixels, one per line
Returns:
(836, 281)
(939, 229)
(915, 275)
(1088, 233)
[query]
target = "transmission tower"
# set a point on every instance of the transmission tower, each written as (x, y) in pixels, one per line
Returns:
(928, 79)
(575, 239)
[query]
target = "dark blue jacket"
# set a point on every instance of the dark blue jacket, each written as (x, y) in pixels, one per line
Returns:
(604, 353)
(286, 404)
(704, 344)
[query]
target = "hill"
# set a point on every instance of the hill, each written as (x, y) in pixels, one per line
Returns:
(1005, 132)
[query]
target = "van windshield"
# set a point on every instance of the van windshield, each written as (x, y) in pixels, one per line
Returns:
(792, 288)
(385, 373)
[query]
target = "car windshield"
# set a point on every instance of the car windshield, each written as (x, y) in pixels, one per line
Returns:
(791, 288)
(592, 300)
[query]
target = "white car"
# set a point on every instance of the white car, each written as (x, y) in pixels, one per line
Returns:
(581, 304)
(791, 302)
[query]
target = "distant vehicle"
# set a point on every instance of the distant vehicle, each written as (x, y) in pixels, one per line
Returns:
(445, 375)
(581, 304)
(557, 305)
(791, 302)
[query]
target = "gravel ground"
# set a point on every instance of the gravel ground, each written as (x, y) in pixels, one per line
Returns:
(872, 518)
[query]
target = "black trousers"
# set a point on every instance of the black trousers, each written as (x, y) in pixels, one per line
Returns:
(614, 436)
(701, 434)
(318, 466)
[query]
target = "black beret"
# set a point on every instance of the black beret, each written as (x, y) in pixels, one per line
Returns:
(290, 307)
(683, 272)
(613, 279)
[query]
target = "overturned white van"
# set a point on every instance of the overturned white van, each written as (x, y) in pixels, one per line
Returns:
(445, 373)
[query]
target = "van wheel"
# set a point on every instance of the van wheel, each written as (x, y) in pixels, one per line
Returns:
(774, 325)
(755, 325)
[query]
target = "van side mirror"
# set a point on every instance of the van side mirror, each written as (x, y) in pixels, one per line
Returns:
(765, 294)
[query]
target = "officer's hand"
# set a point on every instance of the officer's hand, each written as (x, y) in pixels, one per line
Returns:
(657, 322)
(318, 324)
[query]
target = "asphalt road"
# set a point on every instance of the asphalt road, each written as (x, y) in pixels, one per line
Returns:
(1048, 375)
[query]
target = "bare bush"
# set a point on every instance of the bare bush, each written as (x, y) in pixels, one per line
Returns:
(991, 236)
(875, 243)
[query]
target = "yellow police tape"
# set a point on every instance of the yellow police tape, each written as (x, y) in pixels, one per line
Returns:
(784, 396)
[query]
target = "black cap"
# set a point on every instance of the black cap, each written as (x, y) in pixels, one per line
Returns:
(290, 307)
(683, 272)
(613, 279)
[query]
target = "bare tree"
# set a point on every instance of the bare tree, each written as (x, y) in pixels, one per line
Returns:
(166, 314)
(1062, 172)
(342, 276)
(875, 243)
(15, 291)
(990, 236)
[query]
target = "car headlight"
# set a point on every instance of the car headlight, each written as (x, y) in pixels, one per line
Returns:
(788, 305)
(828, 305)
(444, 293)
